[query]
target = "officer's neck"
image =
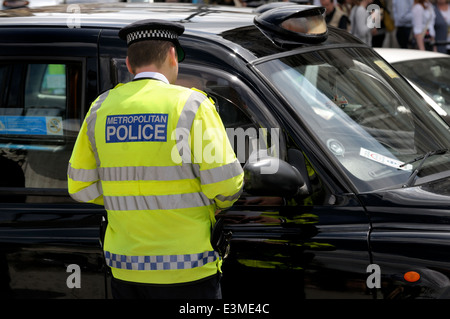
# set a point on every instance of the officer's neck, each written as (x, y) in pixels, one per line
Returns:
(169, 68)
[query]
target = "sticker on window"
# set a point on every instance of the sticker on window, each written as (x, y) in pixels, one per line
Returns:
(31, 125)
(386, 69)
(384, 159)
(136, 128)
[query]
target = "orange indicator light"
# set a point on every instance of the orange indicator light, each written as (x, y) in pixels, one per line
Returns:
(411, 276)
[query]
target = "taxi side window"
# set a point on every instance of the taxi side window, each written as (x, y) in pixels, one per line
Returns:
(39, 121)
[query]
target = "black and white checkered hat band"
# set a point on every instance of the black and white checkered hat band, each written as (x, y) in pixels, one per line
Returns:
(151, 34)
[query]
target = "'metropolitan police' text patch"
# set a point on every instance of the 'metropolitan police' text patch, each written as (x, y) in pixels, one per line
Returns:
(136, 128)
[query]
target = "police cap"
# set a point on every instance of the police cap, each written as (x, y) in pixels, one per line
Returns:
(154, 29)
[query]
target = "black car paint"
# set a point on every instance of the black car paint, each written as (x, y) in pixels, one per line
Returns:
(297, 250)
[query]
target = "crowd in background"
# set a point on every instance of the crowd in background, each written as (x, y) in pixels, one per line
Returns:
(419, 24)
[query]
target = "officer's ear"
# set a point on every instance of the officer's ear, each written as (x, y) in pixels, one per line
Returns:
(130, 69)
(173, 57)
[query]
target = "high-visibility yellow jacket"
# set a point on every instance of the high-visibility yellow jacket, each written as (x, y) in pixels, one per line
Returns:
(158, 158)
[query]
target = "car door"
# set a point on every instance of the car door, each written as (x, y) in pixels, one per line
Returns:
(308, 246)
(49, 245)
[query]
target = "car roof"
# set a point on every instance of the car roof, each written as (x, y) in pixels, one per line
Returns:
(393, 55)
(215, 19)
(229, 25)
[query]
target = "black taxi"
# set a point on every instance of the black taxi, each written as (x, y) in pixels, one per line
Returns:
(347, 185)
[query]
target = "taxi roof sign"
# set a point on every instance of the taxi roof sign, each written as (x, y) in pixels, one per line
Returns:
(292, 25)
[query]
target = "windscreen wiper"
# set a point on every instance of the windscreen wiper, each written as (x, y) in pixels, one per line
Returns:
(421, 158)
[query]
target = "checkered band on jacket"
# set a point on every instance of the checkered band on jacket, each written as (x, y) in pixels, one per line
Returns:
(169, 262)
(151, 34)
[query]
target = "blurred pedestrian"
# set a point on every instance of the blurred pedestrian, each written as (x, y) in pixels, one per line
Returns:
(442, 25)
(403, 20)
(423, 18)
(335, 16)
(358, 21)
(345, 6)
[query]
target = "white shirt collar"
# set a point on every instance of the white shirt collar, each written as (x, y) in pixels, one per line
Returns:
(153, 75)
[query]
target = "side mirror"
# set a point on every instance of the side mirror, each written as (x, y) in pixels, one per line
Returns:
(271, 176)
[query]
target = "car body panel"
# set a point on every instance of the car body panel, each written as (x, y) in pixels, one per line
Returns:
(397, 55)
(408, 234)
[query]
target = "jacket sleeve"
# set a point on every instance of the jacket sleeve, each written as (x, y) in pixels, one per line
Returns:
(221, 174)
(83, 178)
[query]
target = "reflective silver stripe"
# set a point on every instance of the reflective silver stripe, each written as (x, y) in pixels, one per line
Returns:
(91, 120)
(167, 173)
(163, 202)
(185, 122)
(148, 173)
(89, 193)
(230, 198)
(221, 173)
(161, 262)
(82, 175)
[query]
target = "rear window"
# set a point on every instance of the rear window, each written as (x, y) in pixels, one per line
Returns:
(39, 122)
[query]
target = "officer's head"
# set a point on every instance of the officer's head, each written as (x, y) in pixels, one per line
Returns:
(152, 42)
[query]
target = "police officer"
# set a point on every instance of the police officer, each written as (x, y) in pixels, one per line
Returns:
(144, 152)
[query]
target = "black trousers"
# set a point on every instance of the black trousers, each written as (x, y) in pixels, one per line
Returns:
(207, 288)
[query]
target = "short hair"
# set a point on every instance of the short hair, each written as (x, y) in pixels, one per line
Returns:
(148, 52)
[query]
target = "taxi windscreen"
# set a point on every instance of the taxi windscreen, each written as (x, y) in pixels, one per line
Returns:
(363, 113)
